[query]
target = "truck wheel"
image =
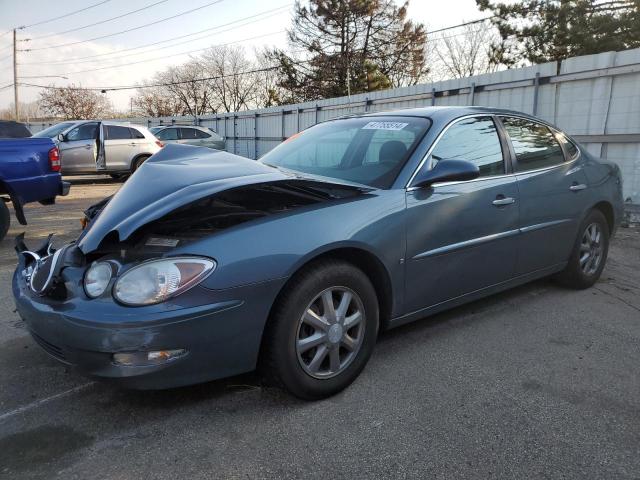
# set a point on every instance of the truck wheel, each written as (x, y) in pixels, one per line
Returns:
(322, 331)
(5, 219)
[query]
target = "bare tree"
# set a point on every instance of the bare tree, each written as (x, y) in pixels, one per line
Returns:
(466, 53)
(233, 86)
(74, 102)
(157, 101)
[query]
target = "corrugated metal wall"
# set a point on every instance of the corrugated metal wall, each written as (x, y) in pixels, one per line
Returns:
(595, 98)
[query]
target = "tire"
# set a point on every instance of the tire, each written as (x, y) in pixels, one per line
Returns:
(138, 162)
(288, 360)
(589, 253)
(5, 219)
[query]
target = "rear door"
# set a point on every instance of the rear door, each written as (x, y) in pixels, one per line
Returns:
(119, 147)
(461, 236)
(551, 185)
(168, 135)
(79, 148)
(189, 136)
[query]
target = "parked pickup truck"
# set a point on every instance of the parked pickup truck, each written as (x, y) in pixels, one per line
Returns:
(29, 172)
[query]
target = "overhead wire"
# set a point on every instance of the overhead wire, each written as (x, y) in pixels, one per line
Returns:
(87, 59)
(63, 16)
(100, 37)
(98, 23)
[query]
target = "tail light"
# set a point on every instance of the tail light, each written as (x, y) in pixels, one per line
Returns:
(54, 159)
(159, 143)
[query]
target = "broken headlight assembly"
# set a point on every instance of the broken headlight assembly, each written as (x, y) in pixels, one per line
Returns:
(155, 281)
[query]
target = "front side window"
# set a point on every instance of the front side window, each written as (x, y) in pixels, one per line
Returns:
(86, 131)
(533, 143)
(168, 134)
(475, 140)
(366, 150)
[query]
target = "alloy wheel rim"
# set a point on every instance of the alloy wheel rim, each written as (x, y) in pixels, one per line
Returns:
(330, 332)
(591, 249)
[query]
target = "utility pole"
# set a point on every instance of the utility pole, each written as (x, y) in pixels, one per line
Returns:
(15, 77)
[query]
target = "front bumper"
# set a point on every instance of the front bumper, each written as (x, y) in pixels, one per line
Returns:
(222, 337)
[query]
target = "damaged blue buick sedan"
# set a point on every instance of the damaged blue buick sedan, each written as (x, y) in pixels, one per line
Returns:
(206, 265)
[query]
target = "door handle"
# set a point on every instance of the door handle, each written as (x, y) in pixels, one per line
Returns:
(576, 187)
(502, 200)
(133, 144)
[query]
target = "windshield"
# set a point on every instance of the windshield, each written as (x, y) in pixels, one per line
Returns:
(54, 130)
(366, 150)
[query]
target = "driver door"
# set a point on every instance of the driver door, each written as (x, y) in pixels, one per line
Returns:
(461, 236)
(77, 151)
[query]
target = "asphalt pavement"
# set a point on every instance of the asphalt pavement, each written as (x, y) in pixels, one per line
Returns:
(538, 382)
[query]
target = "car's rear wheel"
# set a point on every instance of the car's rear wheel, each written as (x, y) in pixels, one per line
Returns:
(322, 330)
(589, 253)
(138, 162)
(5, 219)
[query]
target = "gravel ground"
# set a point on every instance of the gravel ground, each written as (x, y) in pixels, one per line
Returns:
(538, 382)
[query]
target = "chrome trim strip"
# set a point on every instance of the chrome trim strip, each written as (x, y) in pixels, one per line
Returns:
(488, 238)
(467, 243)
(479, 179)
(539, 226)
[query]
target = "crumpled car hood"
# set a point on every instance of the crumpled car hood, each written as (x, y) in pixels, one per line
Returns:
(176, 176)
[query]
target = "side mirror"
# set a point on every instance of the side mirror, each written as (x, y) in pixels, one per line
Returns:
(61, 137)
(446, 171)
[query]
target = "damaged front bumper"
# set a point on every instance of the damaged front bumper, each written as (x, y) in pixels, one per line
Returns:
(220, 331)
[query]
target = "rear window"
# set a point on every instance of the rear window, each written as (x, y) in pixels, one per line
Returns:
(366, 150)
(201, 134)
(13, 130)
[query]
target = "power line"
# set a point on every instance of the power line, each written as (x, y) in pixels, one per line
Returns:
(6, 86)
(87, 59)
(98, 23)
(127, 30)
(168, 56)
(63, 16)
(480, 20)
(164, 84)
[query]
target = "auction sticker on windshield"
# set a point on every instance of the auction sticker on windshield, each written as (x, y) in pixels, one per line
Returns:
(384, 126)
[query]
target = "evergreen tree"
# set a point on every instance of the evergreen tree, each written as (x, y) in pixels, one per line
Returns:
(540, 31)
(341, 47)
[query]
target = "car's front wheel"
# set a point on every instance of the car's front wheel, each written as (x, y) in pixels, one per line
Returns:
(322, 330)
(589, 253)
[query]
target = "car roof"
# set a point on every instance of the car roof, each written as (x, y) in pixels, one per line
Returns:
(445, 114)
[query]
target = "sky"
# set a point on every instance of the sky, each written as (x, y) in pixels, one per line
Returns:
(58, 47)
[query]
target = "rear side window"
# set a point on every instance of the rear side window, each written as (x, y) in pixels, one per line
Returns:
(135, 133)
(188, 134)
(168, 134)
(475, 140)
(570, 147)
(114, 132)
(201, 134)
(534, 144)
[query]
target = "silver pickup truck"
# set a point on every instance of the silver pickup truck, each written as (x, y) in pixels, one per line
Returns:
(95, 146)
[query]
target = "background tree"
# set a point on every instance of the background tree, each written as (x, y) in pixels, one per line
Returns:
(538, 31)
(338, 47)
(156, 101)
(74, 103)
(466, 53)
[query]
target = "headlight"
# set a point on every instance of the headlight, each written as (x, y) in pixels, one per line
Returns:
(157, 280)
(97, 278)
